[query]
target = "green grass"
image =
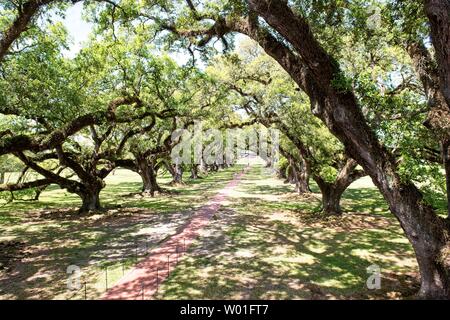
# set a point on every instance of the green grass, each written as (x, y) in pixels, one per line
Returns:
(56, 236)
(269, 245)
(266, 243)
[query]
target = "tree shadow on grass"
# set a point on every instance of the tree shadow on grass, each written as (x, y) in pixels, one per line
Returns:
(261, 255)
(57, 238)
(88, 244)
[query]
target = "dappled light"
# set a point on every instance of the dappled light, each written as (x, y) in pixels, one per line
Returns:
(224, 149)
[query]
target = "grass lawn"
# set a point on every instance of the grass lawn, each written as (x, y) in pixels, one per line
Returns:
(266, 242)
(51, 235)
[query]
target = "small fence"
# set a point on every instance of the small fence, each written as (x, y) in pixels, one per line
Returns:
(111, 274)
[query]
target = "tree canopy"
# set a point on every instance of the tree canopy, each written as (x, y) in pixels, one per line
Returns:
(355, 87)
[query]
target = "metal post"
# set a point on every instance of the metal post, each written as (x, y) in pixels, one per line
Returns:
(85, 291)
(168, 265)
(123, 267)
(106, 277)
(157, 279)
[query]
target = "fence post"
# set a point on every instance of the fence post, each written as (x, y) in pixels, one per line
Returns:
(157, 280)
(106, 277)
(168, 265)
(85, 291)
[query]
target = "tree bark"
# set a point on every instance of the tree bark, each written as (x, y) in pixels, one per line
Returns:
(316, 72)
(332, 192)
(178, 174)
(297, 174)
(438, 12)
(147, 172)
(445, 146)
(305, 173)
(281, 171)
(27, 11)
(298, 178)
(90, 198)
(194, 171)
(176, 171)
(331, 199)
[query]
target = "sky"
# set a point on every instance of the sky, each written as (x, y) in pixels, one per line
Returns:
(78, 29)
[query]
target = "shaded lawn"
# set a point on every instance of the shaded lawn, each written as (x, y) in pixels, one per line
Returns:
(55, 236)
(268, 245)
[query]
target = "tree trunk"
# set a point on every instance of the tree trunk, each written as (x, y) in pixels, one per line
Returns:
(2, 177)
(301, 183)
(148, 176)
(305, 173)
(194, 171)
(316, 72)
(177, 174)
(332, 192)
(281, 171)
(297, 176)
(331, 199)
(38, 192)
(90, 200)
(438, 12)
(203, 167)
(290, 174)
(446, 162)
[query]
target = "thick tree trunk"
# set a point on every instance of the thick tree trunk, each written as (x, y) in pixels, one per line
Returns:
(305, 173)
(177, 174)
(331, 199)
(148, 176)
(194, 171)
(438, 12)
(332, 192)
(90, 200)
(203, 167)
(316, 72)
(446, 162)
(290, 174)
(39, 191)
(302, 185)
(301, 181)
(298, 175)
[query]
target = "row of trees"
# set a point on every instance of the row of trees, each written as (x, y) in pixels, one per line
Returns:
(352, 98)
